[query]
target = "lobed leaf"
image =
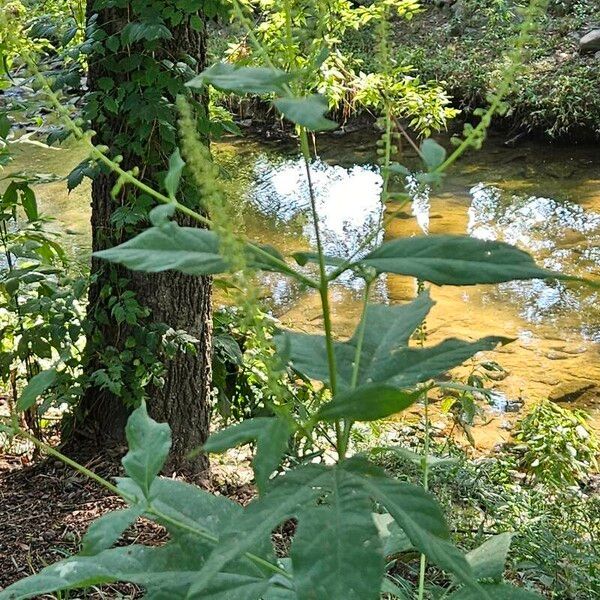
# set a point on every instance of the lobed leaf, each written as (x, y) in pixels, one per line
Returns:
(242, 80)
(149, 445)
(337, 552)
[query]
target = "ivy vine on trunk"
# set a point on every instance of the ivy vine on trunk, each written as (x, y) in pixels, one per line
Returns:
(148, 335)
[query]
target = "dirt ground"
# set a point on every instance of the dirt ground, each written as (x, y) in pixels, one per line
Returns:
(45, 508)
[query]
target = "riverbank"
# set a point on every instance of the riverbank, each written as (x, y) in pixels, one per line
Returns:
(463, 44)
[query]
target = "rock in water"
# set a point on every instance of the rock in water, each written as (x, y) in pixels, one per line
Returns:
(571, 391)
(590, 42)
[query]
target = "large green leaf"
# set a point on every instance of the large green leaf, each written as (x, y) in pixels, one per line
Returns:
(454, 260)
(487, 560)
(149, 445)
(417, 514)
(106, 530)
(368, 403)
(386, 329)
(337, 552)
(148, 567)
(409, 366)
(36, 386)
(308, 112)
(190, 250)
(287, 496)
(242, 80)
(271, 435)
(388, 366)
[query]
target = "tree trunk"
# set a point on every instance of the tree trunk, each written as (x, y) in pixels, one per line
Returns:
(173, 300)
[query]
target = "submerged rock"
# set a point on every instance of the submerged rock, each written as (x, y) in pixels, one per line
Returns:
(590, 42)
(571, 391)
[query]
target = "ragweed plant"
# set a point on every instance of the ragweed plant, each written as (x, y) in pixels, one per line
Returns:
(350, 514)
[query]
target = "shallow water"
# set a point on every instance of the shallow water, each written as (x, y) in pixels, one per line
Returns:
(544, 199)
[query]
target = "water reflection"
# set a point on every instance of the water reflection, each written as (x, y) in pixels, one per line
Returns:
(347, 200)
(561, 235)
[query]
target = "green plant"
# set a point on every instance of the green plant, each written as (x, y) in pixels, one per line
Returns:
(307, 36)
(40, 305)
(220, 550)
(559, 446)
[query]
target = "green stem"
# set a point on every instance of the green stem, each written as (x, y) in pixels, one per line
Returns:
(356, 365)
(149, 509)
(128, 177)
(425, 465)
(323, 283)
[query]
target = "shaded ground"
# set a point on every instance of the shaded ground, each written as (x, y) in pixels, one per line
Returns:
(45, 508)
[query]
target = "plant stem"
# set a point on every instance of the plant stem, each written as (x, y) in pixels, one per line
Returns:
(148, 509)
(425, 466)
(128, 177)
(323, 285)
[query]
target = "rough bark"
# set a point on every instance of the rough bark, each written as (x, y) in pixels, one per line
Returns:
(180, 301)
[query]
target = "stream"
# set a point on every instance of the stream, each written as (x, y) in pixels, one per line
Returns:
(542, 198)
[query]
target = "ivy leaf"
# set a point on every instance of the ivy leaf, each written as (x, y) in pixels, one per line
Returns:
(271, 435)
(487, 560)
(84, 169)
(37, 385)
(308, 112)
(149, 445)
(149, 31)
(106, 530)
(242, 80)
(190, 250)
(173, 176)
(337, 552)
(433, 154)
(455, 260)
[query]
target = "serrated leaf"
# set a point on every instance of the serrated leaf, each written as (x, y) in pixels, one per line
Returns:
(488, 560)
(386, 364)
(271, 435)
(37, 385)
(173, 176)
(287, 495)
(106, 530)
(190, 250)
(418, 515)
(368, 403)
(308, 112)
(149, 445)
(337, 552)
(242, 80)
(454, 260)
